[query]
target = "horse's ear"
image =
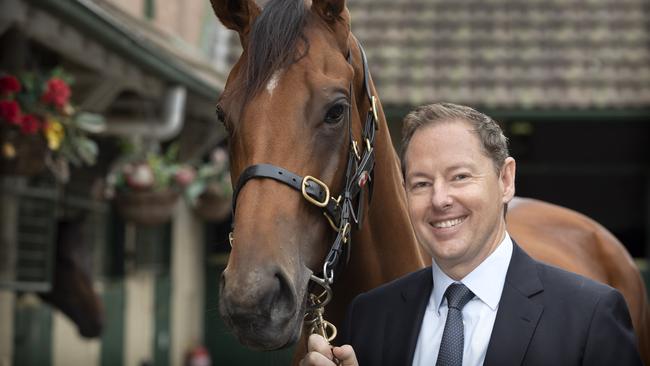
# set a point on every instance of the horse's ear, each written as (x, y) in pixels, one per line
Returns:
(330, 10)
(237, 15)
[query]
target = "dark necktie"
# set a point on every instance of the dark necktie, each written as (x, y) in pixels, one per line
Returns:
(451, 347)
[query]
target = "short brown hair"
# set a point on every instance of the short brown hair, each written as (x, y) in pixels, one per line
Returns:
(493, 141)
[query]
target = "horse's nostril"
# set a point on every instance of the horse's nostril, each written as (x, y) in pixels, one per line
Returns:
(285, 297)
(257, 293)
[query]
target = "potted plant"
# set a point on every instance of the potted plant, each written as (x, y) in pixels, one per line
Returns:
(146, 188)
(210, 193)
(39, 127)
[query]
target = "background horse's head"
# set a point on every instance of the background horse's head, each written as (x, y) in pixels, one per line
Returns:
(72, 289)
(291, 101)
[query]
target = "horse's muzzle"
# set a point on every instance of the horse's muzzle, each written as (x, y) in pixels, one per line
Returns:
(263, 310)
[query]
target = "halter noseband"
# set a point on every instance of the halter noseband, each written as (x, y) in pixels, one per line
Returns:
(340, 211)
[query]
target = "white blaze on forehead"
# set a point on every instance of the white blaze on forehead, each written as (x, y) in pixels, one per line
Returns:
(273, 82)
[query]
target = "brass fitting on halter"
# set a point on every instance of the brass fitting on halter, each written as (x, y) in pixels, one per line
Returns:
(373, 102)
(313, 319)
(305, 185)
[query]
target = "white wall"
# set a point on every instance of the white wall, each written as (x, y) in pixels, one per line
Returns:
(139, 317)
(187, 276)
(68, 347)
(7, 299)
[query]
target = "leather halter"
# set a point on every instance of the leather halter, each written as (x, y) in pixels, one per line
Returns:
(340, 211)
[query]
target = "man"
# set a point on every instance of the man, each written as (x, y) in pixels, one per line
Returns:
(483, 300)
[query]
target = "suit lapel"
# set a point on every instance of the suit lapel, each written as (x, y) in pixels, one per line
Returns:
(403, 322)
(518, 314)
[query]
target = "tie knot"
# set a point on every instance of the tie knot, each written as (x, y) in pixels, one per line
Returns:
(458, 295)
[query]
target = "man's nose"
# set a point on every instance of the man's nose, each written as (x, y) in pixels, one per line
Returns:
(441, 198)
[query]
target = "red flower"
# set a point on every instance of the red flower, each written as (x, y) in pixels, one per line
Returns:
(57, 93)
(9, 84)
(30, 124)
(10, 112)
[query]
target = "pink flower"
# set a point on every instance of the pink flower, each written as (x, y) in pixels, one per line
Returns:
(57, 93)
(30, 124)
(10, 112)
(139, 176)
(184, 175)
(9, 84)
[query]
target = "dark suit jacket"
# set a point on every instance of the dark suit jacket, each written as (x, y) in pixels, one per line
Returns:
(546, 316)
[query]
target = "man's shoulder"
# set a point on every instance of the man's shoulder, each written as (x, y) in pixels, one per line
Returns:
(562, 284)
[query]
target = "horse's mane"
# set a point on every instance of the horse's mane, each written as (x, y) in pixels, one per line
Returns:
(273, 41)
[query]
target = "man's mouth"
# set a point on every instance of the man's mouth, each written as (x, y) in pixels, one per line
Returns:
(443, 224)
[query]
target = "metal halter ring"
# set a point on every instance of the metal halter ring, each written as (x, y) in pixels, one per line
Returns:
(323, 283)
(305, 184)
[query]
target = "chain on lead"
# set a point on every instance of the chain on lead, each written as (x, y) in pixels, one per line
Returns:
(314, 321)
(318, 325)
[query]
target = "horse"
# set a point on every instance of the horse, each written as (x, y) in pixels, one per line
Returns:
(297, 106)
(72, 290)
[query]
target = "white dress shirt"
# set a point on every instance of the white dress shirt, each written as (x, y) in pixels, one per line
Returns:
(486, 282)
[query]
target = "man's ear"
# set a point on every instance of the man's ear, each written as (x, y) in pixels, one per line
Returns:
(237, 15)
(329, 10)
(507, 179)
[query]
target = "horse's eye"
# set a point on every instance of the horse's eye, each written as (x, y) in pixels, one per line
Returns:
(335, 113)
(220, 114)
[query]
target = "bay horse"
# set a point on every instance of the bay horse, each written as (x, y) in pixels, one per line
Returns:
(72, 289)
(297, 106)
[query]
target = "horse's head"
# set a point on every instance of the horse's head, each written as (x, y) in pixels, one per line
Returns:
(291, 104)
(72, 290)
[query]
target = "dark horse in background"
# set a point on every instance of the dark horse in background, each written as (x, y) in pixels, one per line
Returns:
(295, 99)
(72, 289)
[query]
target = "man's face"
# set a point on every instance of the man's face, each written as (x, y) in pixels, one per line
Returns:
(455, 196)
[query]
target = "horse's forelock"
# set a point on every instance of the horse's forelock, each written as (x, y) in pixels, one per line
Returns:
(273, 41)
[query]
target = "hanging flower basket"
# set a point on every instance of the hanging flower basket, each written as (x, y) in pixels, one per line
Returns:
(22, 155)
(213, 207)
(40, 128)
(145, 190)
(210, 192)
(146, 207)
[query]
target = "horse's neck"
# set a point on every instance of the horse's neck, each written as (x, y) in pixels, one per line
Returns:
(385, 247)
(391, 238)
(71, 246)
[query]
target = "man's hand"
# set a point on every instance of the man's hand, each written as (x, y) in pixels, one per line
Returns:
(320, 353)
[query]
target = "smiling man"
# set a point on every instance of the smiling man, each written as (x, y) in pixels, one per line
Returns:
(483, 301)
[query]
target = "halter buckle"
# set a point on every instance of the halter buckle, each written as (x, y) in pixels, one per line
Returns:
(305, 184)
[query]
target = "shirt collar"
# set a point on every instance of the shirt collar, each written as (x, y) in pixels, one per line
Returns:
(485, 281)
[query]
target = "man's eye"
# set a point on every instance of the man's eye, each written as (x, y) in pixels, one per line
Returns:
(419, 185)
(461, 176)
